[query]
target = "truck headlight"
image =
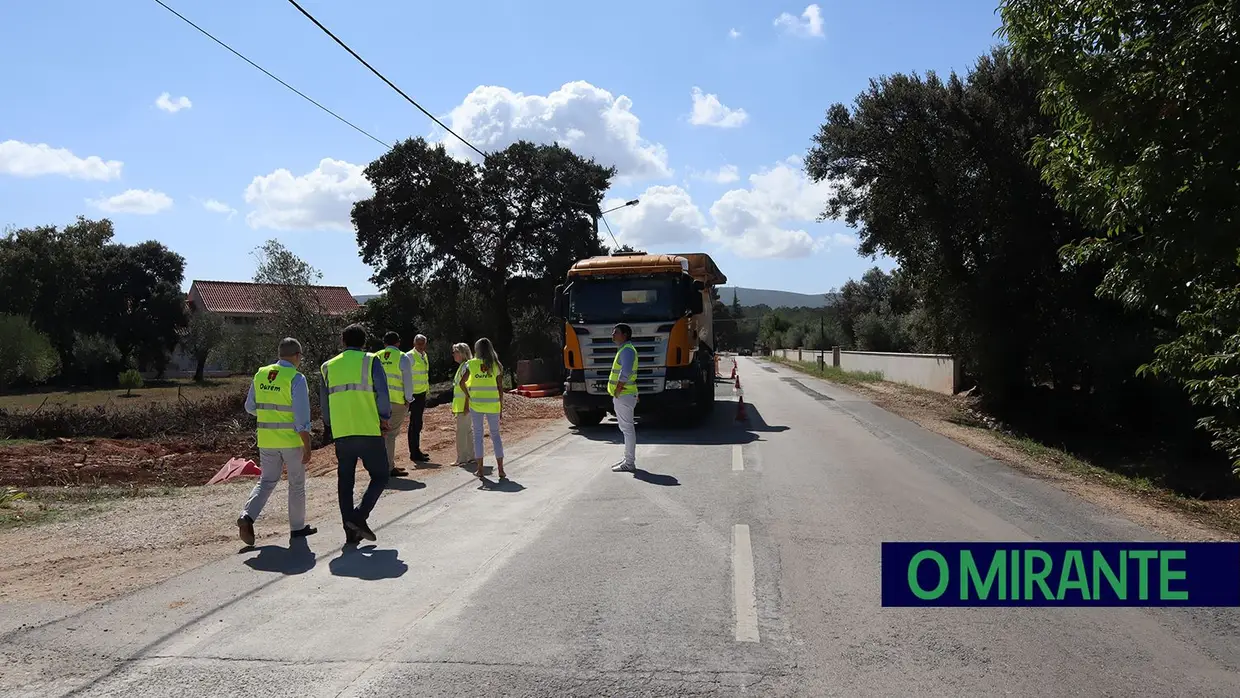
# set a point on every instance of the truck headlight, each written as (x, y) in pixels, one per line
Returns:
(676, 385)
(577, 387)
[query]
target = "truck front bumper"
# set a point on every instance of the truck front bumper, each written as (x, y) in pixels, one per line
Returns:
(647, 403)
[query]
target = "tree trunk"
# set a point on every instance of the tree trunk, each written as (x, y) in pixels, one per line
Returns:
(198, 370)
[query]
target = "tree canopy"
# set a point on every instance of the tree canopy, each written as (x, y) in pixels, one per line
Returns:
(517, 221)
(77, 281)
(1145, 150)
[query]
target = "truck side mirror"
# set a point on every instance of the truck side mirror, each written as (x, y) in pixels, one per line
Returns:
(557, 301)
(699, 285)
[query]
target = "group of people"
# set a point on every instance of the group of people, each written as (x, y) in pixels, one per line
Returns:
(364, 398)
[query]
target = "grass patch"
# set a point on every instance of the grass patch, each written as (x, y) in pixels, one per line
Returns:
(44, 505)
(155, 391)
(831, 373)
(17, 442)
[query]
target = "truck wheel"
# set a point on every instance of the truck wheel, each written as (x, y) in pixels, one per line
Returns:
(583, 418)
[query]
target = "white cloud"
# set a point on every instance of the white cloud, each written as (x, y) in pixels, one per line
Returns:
(321, 199)
(734, 34)
(142, 202)
(37, 159)
(724, 175)
(754, 222)
(219, 207)
(808, 24)
(172, 106)
(666, 215)
(709, 111)
(587, 119)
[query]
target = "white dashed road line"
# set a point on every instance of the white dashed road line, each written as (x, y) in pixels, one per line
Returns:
(738, 458)
(743, 585)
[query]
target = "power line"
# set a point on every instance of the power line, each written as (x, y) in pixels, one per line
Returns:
(390, 84)
(301, 94)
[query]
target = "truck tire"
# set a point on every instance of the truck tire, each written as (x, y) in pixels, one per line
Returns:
(583, 418)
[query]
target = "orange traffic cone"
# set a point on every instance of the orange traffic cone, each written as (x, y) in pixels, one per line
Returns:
(738, 382)
(733, 370)
(741, 416)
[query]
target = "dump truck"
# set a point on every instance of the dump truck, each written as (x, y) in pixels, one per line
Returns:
(666, 299)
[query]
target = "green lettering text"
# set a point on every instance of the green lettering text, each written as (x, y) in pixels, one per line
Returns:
(1037, 577)
(1143, 575)
(970, 576)
(1074, 567)
(944, 575)
(1166, 574)
(1102, 568)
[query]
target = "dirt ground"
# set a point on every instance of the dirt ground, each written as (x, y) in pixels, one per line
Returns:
(1175, 517)
(96, 547)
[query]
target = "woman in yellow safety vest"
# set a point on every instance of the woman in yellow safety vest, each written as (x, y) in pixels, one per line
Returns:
(464, 432)
(484, 399)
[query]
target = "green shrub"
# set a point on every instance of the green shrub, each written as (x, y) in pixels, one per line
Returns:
(129, 380)
(26, 355)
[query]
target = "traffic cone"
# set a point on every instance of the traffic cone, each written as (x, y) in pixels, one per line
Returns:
(738, 382)
(733, 369)
(741, 416)
(717, 374)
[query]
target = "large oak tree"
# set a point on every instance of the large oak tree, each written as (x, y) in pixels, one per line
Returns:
(515, 222)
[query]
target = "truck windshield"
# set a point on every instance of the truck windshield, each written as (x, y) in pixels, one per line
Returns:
(639, 299)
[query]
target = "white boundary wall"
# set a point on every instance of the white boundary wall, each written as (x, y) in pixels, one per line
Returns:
(937, 372)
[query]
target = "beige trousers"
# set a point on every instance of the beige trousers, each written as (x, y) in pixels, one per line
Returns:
(464, 438)
(389, 436)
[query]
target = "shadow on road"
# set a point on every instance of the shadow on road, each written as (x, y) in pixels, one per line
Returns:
(655, 478)
(501, 486)
(720, 429)
(369, 563)
(297, 558)
(403, 484)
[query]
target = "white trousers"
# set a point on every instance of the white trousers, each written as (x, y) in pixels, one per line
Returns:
(273, 462)
(624, 406)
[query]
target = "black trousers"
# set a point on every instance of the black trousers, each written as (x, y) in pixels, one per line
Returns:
(372, 452)
(416, 408)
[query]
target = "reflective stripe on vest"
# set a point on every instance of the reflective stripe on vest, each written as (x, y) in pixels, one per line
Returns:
(390, 358)
(630, 387)
(350, 396)
(421, 372)
(458, 395)
(273, 396)
(483, 390)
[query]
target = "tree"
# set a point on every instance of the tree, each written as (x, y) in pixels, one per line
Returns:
(292, 306)
(524, 214)
(26, 355)
(936, 175)
(202, 336)
(1145, 150)
(129, 380)
(77, 281)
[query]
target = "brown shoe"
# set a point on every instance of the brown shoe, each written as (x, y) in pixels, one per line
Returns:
(245, 526)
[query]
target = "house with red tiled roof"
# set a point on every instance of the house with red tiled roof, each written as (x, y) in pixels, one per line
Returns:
(242, 303)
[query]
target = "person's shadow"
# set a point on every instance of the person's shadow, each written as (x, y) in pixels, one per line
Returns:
(369, 563)
(297, 558)
(500, 486)
(401, 484)
(656, 478)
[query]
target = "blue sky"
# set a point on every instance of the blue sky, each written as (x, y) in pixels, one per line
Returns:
(232, 158)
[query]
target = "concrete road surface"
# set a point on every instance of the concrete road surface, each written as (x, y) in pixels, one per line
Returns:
(740, 560)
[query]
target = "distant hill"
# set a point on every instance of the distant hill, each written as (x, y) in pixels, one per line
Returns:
(750, 297)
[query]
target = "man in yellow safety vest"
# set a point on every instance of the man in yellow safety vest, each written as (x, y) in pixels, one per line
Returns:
(421, 389)
(356, 406)
(622, 387)
(399, 369)
(280, 399)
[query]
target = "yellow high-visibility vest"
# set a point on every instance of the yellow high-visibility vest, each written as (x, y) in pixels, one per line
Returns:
(458, 395)
(273, 395)
(483, 390)
(390, 358)
(350, 394)
(630, 388)
(421, 372)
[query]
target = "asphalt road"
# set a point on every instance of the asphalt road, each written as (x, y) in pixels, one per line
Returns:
(742, 559)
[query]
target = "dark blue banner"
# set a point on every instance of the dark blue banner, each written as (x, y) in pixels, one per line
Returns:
(1061, 574)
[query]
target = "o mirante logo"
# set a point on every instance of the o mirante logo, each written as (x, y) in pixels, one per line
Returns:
(1060, 574)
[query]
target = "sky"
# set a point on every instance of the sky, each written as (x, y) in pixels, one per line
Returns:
(705, 108)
